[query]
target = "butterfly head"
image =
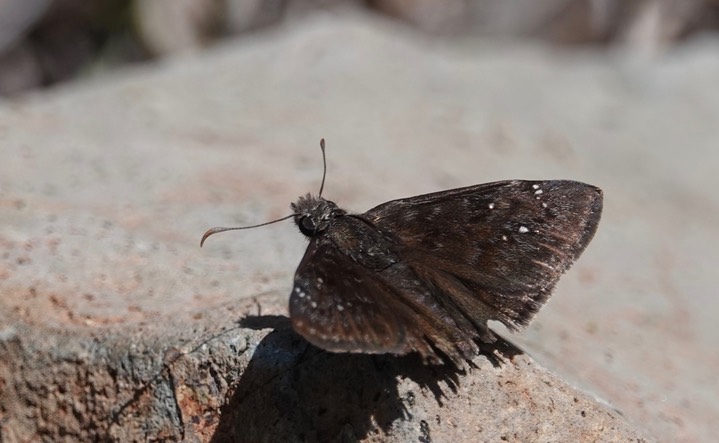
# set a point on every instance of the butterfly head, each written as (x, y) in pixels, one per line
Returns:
(314, 214)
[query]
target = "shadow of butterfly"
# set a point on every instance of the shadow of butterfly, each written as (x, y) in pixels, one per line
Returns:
(425, 274)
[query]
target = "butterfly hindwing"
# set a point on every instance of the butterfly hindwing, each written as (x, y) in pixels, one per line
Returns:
(352, 293)
(337, 305)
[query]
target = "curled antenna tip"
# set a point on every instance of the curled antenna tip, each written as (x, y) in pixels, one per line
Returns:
(322, 144)
(207, 234)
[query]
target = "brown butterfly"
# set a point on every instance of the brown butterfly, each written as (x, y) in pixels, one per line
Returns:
(424, 274)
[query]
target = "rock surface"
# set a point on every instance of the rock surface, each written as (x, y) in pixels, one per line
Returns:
(114, 324)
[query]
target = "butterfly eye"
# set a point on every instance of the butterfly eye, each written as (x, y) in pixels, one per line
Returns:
(307, 225)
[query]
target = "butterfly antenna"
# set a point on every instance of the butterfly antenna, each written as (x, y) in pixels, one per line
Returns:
(220, 229)
(324, 163)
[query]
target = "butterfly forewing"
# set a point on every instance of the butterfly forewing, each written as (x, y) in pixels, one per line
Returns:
(505, 242)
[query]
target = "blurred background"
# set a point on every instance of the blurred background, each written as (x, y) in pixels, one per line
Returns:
(44, 42)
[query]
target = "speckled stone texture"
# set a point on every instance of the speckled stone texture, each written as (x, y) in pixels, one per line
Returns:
(115, 325)
(245, 383)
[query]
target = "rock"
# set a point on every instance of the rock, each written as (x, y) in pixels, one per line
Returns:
(248, 384)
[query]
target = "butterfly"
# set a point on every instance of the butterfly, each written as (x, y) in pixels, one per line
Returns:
(425, 274)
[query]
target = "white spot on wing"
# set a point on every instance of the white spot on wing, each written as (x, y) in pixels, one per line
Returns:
(523, 230)
(535, 186)
(491, 206)
(504, 237)
(544, 205)
(300, 293)
(313, 304)
(538, 191)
